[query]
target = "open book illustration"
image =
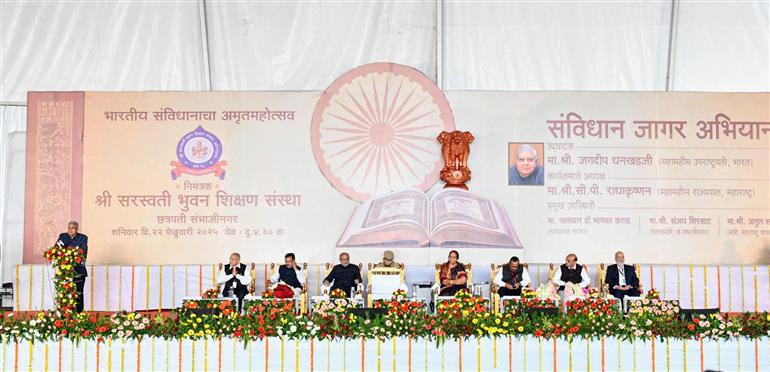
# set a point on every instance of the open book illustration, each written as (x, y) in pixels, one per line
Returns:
(451, 218)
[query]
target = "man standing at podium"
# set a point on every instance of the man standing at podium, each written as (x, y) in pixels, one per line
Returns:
(72, 238)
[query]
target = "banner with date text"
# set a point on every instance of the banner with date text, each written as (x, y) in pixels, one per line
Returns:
(188, 177)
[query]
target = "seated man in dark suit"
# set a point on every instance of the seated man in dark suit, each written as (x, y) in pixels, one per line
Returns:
(72, 238)
(511, 278)
(233, 276)
(289, 273)
(621, 278)
(343, 276)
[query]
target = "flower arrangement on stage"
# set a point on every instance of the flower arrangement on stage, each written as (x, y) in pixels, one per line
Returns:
(262, 318)
(710, 326)
(334, 306)
(126, 325)
(528, 293)
(545, 296)
(516, 306)
(65, 259)
(653, 294)
(206, 318)
(399, 295)
(574, 290)
(654, 307)
(755, 325)
(276, 318)
(461, 314)
(226, 306)
(337, 293)
(210, 294)
(547, 291)
(268, 293)
(592, 307)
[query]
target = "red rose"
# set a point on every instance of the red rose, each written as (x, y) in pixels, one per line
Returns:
(691, 327)
(63, 332)
(57, 323)
(538, 333)
(86, 333)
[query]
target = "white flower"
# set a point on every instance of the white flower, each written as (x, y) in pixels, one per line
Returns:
(293, 329)
(120, 334)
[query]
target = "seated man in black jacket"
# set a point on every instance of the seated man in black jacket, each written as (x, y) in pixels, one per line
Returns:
(289, 273)
(621, 278)
(343, 276)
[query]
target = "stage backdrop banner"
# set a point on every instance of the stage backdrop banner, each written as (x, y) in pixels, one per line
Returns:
(188, 177)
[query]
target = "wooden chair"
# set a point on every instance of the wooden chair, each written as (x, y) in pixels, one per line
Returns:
(303, 292)
(373, 271)
(495, 297)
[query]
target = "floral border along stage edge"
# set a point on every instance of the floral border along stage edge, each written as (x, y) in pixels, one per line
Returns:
(461, 317)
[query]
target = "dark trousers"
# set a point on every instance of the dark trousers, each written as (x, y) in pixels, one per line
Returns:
(240, 292)
(633, 292)
(79, 284)
(503, 291)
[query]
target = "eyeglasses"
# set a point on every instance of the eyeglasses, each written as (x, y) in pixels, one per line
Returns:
(527, 160)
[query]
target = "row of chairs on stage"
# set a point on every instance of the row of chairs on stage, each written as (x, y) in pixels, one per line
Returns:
(381, 282)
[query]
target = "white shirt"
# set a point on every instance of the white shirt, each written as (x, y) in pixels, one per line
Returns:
(621, 274)
(276, 277)
(585, 280)
(525, 279)
(222, 278)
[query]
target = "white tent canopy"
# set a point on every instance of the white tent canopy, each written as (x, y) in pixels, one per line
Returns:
(205, 45)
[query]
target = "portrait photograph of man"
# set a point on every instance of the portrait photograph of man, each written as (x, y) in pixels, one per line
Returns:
(525, 164)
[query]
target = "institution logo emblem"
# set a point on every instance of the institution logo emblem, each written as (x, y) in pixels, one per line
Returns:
(198, 153)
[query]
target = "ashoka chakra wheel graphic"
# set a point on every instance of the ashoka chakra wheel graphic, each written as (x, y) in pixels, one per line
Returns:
(374, 130)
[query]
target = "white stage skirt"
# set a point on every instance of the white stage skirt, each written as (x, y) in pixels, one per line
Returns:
(401, 354)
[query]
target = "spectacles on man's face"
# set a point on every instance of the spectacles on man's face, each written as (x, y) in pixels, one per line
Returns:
(527, 160)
